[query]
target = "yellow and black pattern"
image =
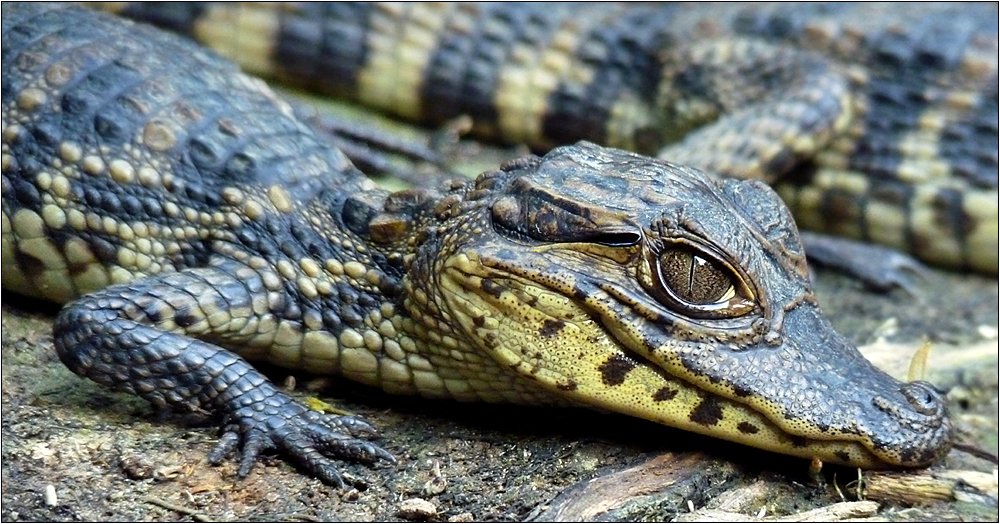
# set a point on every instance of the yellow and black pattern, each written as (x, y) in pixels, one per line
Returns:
(193, 223)
(874, 121)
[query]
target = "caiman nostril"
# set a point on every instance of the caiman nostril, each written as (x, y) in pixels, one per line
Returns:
(923, 397)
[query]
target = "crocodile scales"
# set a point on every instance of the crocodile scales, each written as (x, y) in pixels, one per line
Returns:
(192, 212)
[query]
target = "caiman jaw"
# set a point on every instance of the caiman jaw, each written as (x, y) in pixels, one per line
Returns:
(661, 305)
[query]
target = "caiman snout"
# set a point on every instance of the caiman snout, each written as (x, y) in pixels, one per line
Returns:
(899, 424)
(926, 423)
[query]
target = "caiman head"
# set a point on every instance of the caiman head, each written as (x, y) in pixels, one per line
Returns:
(629, 284)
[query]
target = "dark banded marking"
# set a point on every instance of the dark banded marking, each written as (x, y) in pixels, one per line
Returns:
(664, 394)
(551, 328)
(462, 76)
(708, 412)
(614, 370)
(324, 45)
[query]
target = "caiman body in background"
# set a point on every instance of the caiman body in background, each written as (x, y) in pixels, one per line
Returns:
(874, 121)
(221, 221)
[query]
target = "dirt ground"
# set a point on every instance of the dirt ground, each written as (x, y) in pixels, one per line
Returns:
(74, 451)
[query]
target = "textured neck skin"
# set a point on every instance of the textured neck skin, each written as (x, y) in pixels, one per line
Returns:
(198, 219)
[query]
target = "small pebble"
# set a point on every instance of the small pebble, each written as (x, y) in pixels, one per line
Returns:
(416, 509)
(137, 467)
(50, 495)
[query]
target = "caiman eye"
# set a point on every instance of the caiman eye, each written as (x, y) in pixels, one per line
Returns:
(700, 285)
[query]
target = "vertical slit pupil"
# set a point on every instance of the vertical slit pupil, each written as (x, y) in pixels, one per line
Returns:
(694, 278)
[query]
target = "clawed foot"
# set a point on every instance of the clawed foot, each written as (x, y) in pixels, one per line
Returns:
(309, 438)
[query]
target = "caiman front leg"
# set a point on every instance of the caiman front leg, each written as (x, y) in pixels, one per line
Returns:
(161, 338)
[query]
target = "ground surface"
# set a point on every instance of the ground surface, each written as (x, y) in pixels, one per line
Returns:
(108, 456)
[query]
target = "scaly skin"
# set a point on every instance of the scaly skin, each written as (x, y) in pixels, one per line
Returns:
(192, 223)
(874, 121)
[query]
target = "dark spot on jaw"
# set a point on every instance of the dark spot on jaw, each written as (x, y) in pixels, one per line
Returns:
(479, 321)
(747, 428)
(842, 455)
(24, 192)
(741, 392)
(367, 301)
(664, 393)
(799, 442)
(613, 370)
(490, 286)
(707, 413)
(352, 316)
(569, 385)
(550, 328)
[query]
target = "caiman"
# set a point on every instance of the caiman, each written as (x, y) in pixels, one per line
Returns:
(192, 223)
